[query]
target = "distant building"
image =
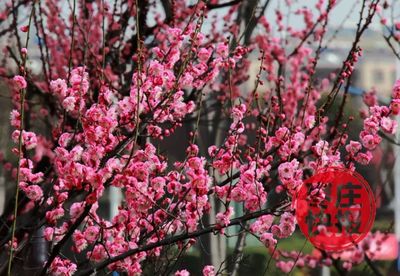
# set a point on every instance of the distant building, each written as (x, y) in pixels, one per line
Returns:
(375, 69)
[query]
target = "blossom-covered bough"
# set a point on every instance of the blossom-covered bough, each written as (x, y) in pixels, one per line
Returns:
(118, 78)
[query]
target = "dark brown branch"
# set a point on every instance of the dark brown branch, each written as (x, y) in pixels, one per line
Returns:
(175, 239)
(57, 248)
(372, 266)
(223, 5)
(387, 38)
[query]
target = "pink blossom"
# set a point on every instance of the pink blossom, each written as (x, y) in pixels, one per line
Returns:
(53, 215)
(176, 33)
(64, 139)
(353, 147)
(364, 158)
(238, 194)
(183, 272)
(79, 80)
(288, 217)
(29, 139)
(62, 267)
(59, 87)
(238, 113)
(370, 141)
(268, 240)
(281, 134)
(276, 231)
(69, 103)
(310, 121)
(98, 253)
(395, 106)
(287, 170)
(222, 49)
(388, 125)
(48, 233)
(76, 209)
(24, 28)
(223, 219)
(286, 267)
(321, 148)
(290, 174)
(79, 241)
(347, 265)
(204, 54)
(15, 118)
(20, 82)
(212, 151)
(371, 124)
(262, 224)
(287, 229)
(209, 270)
(396, 90)
(33, 192)
(91, 233)
(370, 98)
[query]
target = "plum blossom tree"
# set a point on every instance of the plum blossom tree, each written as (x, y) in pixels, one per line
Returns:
(119, 80)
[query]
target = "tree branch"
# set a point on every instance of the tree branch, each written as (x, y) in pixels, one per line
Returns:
(175, 239)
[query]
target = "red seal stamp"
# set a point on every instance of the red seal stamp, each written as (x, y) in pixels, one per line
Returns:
(335, 209)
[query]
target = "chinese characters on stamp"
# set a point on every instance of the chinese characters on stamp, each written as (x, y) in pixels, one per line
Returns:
(335, 209)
